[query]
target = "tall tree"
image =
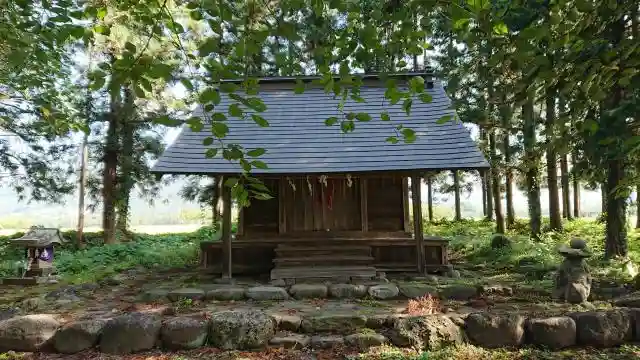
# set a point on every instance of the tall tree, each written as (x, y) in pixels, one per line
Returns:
(564, 161)
(531, 168)
(552, 169)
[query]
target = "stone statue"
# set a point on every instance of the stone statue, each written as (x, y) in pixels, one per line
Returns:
(573, 280)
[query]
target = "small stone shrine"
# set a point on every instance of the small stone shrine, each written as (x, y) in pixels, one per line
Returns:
(573, 280)
(39, 243)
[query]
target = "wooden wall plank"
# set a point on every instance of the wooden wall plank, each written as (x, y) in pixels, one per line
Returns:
(364, 213)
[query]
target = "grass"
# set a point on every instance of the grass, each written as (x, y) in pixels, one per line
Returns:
(470, 352)
(471, 251)
(96, 261)
(471, 248)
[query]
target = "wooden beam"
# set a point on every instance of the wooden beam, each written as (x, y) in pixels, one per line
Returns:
(417, 220)
(364, 207)
(282, 219)
(226, 231)
(405, 204)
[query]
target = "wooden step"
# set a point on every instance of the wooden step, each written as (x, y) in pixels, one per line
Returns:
(304, 247)
(327, 260)
(323, 251)
(326, 272)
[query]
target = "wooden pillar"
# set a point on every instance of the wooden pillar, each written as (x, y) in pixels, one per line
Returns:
(364, 212)
(417, 221)
(282, 219)
(226, 231)
(405, 204)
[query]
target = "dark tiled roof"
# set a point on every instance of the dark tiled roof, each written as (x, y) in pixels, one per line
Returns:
(298, 141)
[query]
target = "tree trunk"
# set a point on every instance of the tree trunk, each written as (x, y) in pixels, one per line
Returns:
(576, 189)
(511, 214)
(488, 180)
(430, 197)
(638, 207)
(495, 175)
(552, 170)
(82, 185)
(109, 181)
(532, 169)
(483, 184)
(603, 197)
(110, 175)
(126, 180)
(456, 188)
(564, 181)
(564, 162)
(616, 244)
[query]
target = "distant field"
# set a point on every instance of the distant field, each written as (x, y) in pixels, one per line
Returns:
(148, 229)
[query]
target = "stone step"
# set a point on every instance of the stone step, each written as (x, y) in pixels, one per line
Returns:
(325, 260)
(323, 272)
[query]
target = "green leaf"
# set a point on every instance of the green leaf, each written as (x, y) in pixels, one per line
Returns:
(98, 82)
(166, 120)
(347, 126)
(500, 28)
(228, 87)
(160, 70)
(385, 116)
(256, 104)
(263, 196)
(259, 164)
(208, 46)
(130, 47)
(392, 140)
(444, 119)
(219, 129)
(409, 135)
(260, 120)
(417, 84)
(195, 123)
(209, 95)
(406, 106)
(139, 91)
(331, 121)
(402, 63)
(235, 110)
(187, 84)
(300, 87)
(208, 141)
(363, 117)
(426, 97)
(256, 152)
(211, 153)
(102, 29)
(232, 154)
(231, 182)
(218, 116)
(102, 12)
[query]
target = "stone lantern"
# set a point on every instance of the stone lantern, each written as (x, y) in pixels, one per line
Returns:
(39, 243)
(573, 280)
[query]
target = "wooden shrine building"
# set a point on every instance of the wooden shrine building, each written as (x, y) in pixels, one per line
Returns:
(341, 201)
